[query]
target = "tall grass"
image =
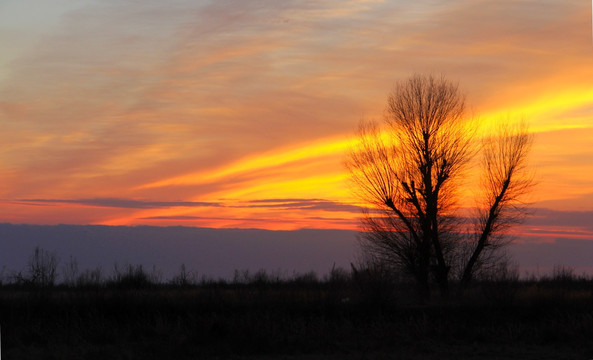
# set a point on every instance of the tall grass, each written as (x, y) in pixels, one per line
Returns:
(133, 313)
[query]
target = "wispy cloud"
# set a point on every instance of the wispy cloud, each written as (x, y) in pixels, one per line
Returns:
(285, 204)
(303, 204)
(576, 220)
(108, 101)
(119, 203)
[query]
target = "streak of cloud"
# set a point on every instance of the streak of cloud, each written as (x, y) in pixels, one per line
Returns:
(119, 203)
(313, 204)
(304, 204)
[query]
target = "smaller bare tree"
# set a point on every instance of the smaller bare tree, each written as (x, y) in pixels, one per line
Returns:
(42, 267)
(70, 272)
(505, 181)
(184, 277)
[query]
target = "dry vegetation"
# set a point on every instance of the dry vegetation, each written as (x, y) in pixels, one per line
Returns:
(362, 313)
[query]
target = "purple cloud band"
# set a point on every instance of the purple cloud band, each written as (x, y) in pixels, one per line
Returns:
(296, 204)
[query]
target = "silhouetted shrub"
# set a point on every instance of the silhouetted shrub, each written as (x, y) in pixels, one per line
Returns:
(70, 272)
(375, 282)
(260, 277)
(184, 277)
(131, 277)
(41, 269)
(90, 278)
(563, 274)
(338, 275)
(3, 275)
(308, 278)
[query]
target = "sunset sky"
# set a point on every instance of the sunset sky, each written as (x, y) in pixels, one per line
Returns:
(238, 114)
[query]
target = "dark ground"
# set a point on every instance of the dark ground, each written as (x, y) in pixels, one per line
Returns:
(297, 319)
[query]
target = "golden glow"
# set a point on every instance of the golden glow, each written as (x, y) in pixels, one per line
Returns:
(545, 112)
(326, 147)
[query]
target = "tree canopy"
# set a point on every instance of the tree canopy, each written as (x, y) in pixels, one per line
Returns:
(411, 168)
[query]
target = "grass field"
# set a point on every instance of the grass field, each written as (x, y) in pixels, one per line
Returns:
(260, 316)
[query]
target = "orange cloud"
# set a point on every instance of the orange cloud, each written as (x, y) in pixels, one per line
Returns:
(221, 104)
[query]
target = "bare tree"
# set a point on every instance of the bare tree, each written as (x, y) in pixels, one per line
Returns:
(42, 267)
(505, 180)
(411, 169)
(70, 272)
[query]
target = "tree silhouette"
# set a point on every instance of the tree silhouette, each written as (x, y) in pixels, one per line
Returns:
(411, 170)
